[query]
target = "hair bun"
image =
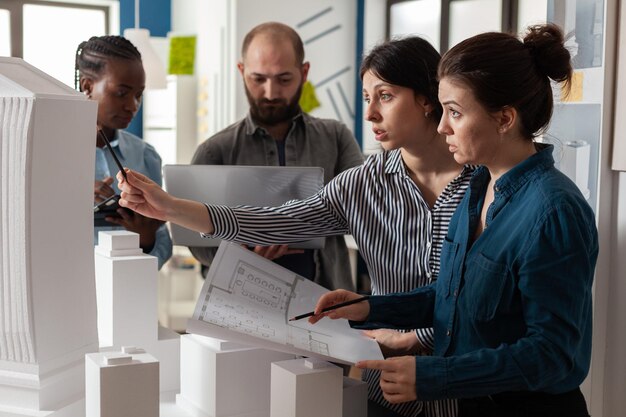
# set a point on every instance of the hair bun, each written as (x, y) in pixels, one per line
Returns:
(546, 45)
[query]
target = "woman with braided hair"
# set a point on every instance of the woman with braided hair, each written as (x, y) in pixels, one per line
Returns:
(109, 69)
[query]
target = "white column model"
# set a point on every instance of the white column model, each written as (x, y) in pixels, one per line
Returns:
(126, 285)
(47, 293)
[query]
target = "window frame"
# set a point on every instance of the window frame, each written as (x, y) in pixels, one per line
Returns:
(509, 19)
(16, 19)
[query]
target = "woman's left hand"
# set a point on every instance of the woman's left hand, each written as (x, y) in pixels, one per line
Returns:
(397, 378)
(395, 343)
(275, 251)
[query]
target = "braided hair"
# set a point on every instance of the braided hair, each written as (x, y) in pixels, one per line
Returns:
(92, 55)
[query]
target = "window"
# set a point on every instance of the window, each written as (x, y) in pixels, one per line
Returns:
(446, 22)
(46, 33)
(418, 17)
(55, 54)
(5, 32)
(471, 17)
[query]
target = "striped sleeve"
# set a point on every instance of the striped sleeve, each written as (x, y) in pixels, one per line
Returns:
(426, 337)
(298, 220)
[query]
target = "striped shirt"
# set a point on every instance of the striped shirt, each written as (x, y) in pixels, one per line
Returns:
(398, 234)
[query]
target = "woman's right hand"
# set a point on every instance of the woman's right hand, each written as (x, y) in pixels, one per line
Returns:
(142, 195)
(356, 312)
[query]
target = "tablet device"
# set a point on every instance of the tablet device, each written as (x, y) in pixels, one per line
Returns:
(233, 185)
(104, 209)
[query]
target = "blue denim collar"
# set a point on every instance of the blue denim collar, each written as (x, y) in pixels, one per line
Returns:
(519, 175)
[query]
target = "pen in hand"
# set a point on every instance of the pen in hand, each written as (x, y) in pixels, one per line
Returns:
(108, 145)
(347, 303)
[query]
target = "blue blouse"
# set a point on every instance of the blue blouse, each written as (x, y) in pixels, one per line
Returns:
(140, 156)
(511, 311)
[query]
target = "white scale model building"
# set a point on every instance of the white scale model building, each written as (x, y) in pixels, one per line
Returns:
(47, 287)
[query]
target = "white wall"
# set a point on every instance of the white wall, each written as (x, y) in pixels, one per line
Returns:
(615, 354)
(329, 54)
(327, 28)
(374, 26)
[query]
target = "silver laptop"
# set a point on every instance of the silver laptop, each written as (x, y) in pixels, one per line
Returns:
(233, 185)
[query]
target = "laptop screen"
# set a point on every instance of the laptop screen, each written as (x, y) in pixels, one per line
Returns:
(233, 185)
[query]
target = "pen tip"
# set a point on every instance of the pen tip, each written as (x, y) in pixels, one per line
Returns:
(292, 319)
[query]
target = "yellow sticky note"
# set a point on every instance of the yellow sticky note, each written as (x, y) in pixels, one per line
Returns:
(308, 99)
(576, 90)
(182, 55)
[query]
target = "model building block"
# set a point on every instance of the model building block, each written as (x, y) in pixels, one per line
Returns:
(119, 384)
(354, 397)
(220, 378)
(306, 388)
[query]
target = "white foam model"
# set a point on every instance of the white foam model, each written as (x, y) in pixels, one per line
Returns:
(47, 293)
(575, 164)
(126, 284)
(354, 398)
(122, 384)
(306, 388)
(220, 378)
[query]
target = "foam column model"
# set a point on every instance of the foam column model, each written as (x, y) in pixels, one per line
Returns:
(47, 292)
(126, 288)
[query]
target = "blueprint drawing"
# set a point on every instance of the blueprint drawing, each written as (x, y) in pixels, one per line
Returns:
(249, 299)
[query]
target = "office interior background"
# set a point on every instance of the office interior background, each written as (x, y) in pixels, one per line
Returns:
(336, 33)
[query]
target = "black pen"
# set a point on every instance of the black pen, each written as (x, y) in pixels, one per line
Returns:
(347, 303)
(117, 161)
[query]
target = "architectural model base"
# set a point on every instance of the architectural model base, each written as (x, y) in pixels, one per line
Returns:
(24, 391)
(220, 378)
(75, 409)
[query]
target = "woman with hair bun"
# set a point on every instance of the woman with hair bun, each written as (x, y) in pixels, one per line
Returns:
(512, 308)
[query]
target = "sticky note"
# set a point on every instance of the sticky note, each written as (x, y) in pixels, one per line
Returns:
(576, 90)
(182, 55)
(308, 99)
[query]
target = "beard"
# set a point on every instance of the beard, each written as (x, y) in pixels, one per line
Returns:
(272, 112)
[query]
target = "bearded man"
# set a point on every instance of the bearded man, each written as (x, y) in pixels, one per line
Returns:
(277, 133)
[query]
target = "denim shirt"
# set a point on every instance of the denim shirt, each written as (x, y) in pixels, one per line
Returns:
(512, 311)
(140, 156)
